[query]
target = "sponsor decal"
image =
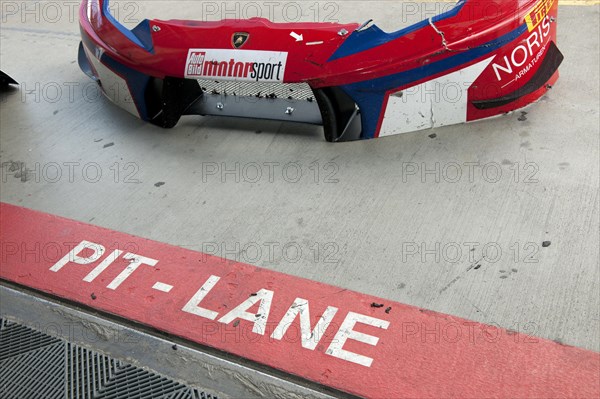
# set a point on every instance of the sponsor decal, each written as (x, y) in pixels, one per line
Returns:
(538, 14)
(239, 39)
(524, 56)
(237, 65)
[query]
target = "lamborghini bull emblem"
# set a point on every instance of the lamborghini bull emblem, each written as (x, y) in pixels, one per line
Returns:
(239, 39)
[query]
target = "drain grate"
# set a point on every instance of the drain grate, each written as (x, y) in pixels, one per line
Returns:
(35, 365)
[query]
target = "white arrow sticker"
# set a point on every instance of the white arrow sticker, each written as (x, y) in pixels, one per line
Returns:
(298, 37)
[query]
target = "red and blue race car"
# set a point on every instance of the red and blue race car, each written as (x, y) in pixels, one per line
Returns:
(477, 60)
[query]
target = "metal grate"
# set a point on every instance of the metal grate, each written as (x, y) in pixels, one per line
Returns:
(16, 339)
(36, 365)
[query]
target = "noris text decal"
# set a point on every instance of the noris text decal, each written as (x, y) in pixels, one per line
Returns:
(524, 56)
(238, 65)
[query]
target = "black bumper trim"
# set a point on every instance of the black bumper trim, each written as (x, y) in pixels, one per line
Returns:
(549, 66)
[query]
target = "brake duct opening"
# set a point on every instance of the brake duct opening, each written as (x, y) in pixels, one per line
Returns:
(170, 98)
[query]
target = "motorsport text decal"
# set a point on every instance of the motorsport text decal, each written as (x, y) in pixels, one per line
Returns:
(237, 65)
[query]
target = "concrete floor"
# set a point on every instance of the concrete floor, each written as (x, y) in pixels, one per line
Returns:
(356, 216)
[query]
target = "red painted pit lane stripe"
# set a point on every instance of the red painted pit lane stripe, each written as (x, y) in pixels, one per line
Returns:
(392, 351)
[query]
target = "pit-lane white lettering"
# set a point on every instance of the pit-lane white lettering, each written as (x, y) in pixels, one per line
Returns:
(259, 319)
(193, 306)
(135, 262)
(310, 337)
(102, 266)
(86, 253)
(75, 256)
(346, 332)
(162, 287)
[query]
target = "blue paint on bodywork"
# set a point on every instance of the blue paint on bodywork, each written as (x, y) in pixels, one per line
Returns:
(372, 37)
(140, 35)
(370, 94)
(143, 33)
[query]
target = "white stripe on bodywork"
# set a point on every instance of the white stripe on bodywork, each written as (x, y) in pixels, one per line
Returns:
(113, 86)
(437, 102)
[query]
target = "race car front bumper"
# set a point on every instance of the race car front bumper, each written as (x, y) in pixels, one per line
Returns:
(477, 60)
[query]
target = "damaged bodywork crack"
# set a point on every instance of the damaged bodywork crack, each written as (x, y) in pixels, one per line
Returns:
(439, 32)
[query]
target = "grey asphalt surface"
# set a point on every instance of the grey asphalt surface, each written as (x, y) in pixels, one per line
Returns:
(453, 222)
